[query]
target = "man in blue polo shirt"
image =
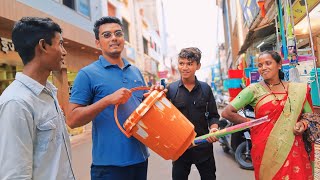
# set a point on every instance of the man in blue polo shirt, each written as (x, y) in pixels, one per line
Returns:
(97, 88)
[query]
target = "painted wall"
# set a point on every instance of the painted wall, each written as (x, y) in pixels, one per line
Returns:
(66, 14)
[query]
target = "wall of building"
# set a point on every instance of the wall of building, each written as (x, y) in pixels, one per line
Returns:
(79, 42)
(14, 10)
(66, 14)
(76, 59)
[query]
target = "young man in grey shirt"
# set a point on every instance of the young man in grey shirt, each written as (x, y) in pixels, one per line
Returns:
(34, 143)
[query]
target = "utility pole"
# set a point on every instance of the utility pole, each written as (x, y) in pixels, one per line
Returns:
(218, 47)
(219, 62)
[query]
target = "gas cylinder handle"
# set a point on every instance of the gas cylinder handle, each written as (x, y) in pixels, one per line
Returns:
(128, 135)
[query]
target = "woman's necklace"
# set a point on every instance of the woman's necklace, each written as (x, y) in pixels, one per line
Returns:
(271, 85)
(286, 114)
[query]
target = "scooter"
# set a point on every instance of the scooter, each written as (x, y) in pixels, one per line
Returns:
(221, 100)
(239, 143)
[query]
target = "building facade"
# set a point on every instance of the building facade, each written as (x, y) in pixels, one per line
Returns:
(77, 34)
(143, 45)
(282, 26)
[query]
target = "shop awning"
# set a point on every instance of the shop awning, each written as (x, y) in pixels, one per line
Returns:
(257, 34)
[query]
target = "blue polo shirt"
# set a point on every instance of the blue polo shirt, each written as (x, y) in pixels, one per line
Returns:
(94, 82)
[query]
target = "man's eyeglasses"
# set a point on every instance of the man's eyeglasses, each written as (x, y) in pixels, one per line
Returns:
(108, 35)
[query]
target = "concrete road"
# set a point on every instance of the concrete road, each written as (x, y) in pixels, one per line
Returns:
(81, 146)
(227, 168)
(159, 169)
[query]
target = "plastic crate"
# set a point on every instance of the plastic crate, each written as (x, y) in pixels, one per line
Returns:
(233, 83)
(314, 89)
(235, 73)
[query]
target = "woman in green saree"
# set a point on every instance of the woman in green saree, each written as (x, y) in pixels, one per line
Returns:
(278, 150)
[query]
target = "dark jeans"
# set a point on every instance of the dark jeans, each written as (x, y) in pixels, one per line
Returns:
(181, 169)
(132, 172)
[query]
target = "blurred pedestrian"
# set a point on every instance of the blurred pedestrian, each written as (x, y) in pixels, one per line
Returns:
(34, 143)
(195, 100)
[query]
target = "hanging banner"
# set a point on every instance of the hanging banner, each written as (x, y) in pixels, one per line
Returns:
(299, 9)
(163, 74)
(250, 10)
(255, 77)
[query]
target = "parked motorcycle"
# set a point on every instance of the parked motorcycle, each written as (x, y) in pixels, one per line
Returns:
(221, 100)
(239, 143)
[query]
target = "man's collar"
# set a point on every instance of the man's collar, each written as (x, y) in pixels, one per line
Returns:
(196, 82)
(105, 63)
(34, 85)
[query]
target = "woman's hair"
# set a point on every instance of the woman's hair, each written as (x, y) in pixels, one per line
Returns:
(277, 58)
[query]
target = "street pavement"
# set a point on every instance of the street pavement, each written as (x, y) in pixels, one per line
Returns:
(159, 169)
(81, 155)
(227, 168)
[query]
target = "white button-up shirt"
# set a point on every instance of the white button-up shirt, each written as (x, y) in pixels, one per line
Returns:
(34, 143)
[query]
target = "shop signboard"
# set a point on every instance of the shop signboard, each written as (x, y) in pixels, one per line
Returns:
(250, 10)
(255, 77)
(6, 45)
(299, 9)
(163, 74)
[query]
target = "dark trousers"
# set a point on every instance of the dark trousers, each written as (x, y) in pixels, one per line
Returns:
(132, 172)
(181, 169)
